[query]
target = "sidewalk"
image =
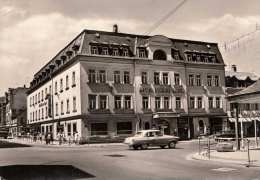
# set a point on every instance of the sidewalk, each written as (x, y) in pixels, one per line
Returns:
(55, 144)
(236, 157)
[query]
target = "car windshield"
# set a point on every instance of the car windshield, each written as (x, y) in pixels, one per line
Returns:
(138, 133)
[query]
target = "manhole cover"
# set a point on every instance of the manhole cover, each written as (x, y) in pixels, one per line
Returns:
(31, 172)
(224, 169)
(115, 155)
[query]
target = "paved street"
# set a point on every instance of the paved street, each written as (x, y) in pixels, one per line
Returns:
(118, 162)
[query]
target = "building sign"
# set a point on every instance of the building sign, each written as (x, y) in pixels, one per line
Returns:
(43, 104)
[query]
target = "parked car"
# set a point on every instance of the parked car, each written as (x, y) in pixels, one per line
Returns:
(229, 136)
(224, 147)
(4, 132)
(145, 138)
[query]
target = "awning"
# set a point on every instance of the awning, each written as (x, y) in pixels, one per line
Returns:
(243, 119)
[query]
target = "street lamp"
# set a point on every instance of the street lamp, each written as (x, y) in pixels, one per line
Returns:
(236, 126)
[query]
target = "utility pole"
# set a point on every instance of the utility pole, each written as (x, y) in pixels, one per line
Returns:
(236, 126)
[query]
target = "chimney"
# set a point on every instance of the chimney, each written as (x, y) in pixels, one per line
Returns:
(234, 68)
(115, 28)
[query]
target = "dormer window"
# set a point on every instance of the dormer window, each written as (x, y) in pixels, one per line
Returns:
(159, 55)
(104, 51)
(141, 53)
(115, 52)
(94, 50)
(125, 52)
(189, 57)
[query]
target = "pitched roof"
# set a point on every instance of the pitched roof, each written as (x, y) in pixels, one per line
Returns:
(250, 89)
(242, 75)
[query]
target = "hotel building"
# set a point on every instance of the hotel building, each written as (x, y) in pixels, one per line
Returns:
(113, 84)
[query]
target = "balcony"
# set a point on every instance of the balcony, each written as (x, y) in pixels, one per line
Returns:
(146, 89)
(163, 110)
(178, 89)
(197, 111)
(100, 87)
(124, 111)
(163, 89)
(99, 111)
(123, 88)
(180, 111)
(216, 111)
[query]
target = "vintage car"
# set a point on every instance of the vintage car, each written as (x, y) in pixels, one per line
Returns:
(227, 136)
(145, 138)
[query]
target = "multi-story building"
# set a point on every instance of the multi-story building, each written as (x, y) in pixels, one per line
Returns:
(2, 111)
(247, 103)
(113, 84)
(16, 110)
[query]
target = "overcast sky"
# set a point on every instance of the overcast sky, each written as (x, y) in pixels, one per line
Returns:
(33, 31)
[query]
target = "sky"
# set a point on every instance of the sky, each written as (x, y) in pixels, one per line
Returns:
(33, 31)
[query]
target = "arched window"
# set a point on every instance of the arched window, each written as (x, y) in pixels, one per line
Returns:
(159, 55)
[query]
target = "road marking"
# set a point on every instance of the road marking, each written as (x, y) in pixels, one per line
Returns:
(223, 169)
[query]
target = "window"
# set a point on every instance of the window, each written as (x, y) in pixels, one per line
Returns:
(98, 129)
(157, 102)
(42, 113)
(198, 58)
(102, 76)
(57, 111)
(141, 53)
(217, 102)
(46, 92)
(198, 80)
(192, 102)
(104, 51)
(74, 104)
(56, 87)
(191, 80)
(39, 114)
(156, 78)
(117, 77)
(61, 85)
(125, 52)
(159, 55)
(102, 102)
(92, 102)
(216, 80)
(177, 79)
(210, 102)
(127, 102)
(209, 80)
(165, 78)
(145, 102)
(199, 102)
(73, 79)
(68, 106)
(124, 128)
(166, 103)
(33, 100)
(115, 52)
(189, 57)
(46, 112)
(36, 116)
(117, 102)
(67, 82)
(39, 97)
(50, 89)
(61, 108)
(178, 102)
(144, 77)
(91, 76)
(94, 50)
(74, 127)
(126, 77)
(69, 129)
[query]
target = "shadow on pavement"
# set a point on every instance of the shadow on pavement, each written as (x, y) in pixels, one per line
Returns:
(5, 144)
(39, 172)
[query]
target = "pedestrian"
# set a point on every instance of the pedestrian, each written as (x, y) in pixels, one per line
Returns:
(48, 138)
(59, 137)
(52, 139)
(76, 137)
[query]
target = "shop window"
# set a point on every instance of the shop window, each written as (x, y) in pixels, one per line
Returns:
(124, 128)
(98, 129)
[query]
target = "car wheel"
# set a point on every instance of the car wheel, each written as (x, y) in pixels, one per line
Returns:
(162, 147)
(172, 145)
(135, 147)
(144, 146)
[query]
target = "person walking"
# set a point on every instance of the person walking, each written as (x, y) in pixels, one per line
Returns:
(76, 137)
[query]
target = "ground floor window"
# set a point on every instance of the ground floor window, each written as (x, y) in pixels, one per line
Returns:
(74, 127)
(124, 128)
(99, 129)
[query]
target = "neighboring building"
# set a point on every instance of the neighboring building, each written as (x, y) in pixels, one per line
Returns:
(2, 111)
(113, 84)
(237, 81)
(248, 104)
(16, 110)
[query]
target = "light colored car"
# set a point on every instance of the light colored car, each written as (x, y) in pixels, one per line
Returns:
(145, 138)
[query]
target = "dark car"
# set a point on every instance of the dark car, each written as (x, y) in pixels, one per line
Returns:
(229, 136)
(4, 133)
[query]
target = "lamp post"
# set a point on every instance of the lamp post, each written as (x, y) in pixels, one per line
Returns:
(236, 126)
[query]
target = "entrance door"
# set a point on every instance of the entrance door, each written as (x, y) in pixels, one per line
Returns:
(183, 128)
